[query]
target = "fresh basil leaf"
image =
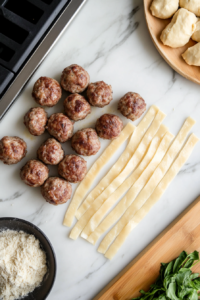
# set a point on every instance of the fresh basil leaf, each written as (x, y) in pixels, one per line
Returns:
(168, 279)
(193, 295)
(189, 293)
(188, 263)
(179, 261)
(143, 292)
(171, 291)
(196, 282)
(162, 297)
(183, 270)
(183, 278)
(194, 255)
(194, 275)
(169, 268)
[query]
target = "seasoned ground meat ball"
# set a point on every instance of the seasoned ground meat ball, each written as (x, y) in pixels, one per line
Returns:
(99, 93)
(35, 120)
(60, 127)
(109, 126)
(12, 149)
(132, 106)
(56, 190)
(34, 173)
(73, 168)
(85, 142)
(76, 107)
(74, 79)
(47, 91)
(50, 152)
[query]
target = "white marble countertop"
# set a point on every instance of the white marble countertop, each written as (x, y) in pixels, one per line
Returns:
(110, 39)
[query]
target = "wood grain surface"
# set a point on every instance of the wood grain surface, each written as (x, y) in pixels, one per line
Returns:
(171, 55)
(181, 234)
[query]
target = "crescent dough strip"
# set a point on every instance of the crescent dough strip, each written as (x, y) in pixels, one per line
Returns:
(121, 163)
(158, 192)
(133, 162)
(134, 182)
(150, 186)
(126, 201)
(83, 187)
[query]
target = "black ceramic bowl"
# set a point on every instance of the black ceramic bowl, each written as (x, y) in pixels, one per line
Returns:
(44, 289)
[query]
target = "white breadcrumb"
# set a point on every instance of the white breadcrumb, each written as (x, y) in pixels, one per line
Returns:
(22, 264)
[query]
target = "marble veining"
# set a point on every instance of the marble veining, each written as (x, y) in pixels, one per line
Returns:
(110, 39)
(13, 197)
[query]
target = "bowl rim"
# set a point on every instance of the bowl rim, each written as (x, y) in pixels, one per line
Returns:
(48, 241)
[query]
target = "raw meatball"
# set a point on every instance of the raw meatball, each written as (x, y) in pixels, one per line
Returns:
(74, 79)
(132, 106)
(99, 93)
(35, 120)
(73, 168)
(60, 127)
(34, 173)
(50, 152)
(47, 91)
(12, 149)
(85, 142)
(56, 190)
(109, 126)
(76, 107)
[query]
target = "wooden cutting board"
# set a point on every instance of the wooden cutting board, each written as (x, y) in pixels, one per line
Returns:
(181, 234)
(171, 55)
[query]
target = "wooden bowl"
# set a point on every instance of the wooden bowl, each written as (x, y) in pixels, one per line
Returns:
(171, 55)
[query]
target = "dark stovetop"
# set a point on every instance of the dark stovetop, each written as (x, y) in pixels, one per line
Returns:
(24, 26)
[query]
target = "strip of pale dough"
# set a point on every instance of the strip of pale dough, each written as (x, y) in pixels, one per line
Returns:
(150, 186)
(158, 192)
(121, 163)
(133, 184)
(126, 201)
(133, 162)
(86, 183)
(137, 179)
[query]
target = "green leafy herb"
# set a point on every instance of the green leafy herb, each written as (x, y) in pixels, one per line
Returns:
(176, 280)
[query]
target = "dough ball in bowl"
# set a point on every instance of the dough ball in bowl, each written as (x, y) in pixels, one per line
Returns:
(76, 107)
(132, 106)
(74, 79)
(50, 152)
(109, 126)
(73, 168)
(47, 91)
(34, 173)
(35, 120)
(99, 93)
(85, 142)
(12, 149)
(56, 190)
(60, 127)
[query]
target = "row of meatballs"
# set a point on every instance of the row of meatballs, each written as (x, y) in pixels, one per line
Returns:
(85, 142)
(77, 108)
(74, 79)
